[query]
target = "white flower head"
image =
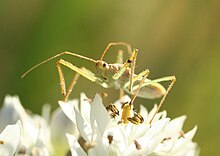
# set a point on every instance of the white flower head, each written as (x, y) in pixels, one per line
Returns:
(115, 130)
(106, 135)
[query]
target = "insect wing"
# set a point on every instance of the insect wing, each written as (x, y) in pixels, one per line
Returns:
(149, 89)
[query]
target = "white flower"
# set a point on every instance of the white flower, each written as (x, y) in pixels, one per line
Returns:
(35, 135)
(107, 136)
(176, 142)
(60, 124)
(40, 135)
(9, 139)
(102, 131)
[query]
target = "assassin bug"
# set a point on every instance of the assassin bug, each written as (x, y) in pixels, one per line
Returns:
(119, 75)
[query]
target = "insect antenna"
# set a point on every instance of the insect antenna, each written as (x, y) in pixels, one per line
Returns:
(55, 56)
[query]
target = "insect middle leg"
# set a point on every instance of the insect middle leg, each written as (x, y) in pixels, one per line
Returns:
(149, 82)
(168, 78)
(127, 107)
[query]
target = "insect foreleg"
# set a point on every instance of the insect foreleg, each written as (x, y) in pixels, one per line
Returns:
(115, 43)
(127, 63)
(133, 64)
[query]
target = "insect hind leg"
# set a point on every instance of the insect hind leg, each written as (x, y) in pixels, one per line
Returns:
(62, 80)
(173, 80)
(74, 80)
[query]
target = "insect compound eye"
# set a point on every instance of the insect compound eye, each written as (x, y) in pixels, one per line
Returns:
(105, 65)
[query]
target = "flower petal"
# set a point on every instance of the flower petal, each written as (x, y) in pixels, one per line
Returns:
(143, 111)
(11, 111)
(60, 125)
(40, 148)
(97, 139)
(157, 117)
(75, 147)
(99, 114)
(46, 112)
(83, 127)
(183, 141)
(174, 127)
(119, 138)
(157, 127)
(68, 109)
(10, 138)
(85, 107)
(113, 151)
(191, 133)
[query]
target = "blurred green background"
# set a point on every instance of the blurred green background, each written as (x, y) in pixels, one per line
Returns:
(174, 37)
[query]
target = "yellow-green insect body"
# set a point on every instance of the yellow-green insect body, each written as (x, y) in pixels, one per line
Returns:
(119, 75)
(106, 73)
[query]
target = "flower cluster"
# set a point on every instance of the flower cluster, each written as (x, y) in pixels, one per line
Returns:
(85, 127)
(27, 134)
